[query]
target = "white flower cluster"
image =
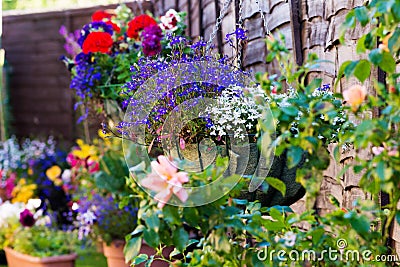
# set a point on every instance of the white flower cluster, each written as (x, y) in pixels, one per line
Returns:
(235, 113)
(14, 156)
(9, 212)
(85, 222)
(283, 100)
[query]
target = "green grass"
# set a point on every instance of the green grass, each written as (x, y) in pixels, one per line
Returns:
(94, 259)
(91, 259)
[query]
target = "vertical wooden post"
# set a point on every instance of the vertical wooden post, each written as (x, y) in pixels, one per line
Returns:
(201, 30)
(296, 30)
(176, 5)
(189, 17)
(219, 33)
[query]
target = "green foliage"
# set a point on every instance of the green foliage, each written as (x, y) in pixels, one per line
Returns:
(41, 241)
(308, 116)
(233, 231)
(381, 172)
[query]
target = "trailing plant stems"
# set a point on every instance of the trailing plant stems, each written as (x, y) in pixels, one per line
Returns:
(85, 126)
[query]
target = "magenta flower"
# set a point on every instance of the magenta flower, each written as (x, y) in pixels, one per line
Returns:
(166, 181)
(26, 218)
(10, 184)
(151, 40)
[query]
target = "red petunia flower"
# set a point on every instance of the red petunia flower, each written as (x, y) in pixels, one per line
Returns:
(100, 15)
(97, 42)
(138, 24)
(115, 27)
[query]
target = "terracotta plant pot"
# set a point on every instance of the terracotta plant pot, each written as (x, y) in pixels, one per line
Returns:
(17, 259)
(115, 254)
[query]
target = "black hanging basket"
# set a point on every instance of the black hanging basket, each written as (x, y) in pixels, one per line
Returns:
(279, 169)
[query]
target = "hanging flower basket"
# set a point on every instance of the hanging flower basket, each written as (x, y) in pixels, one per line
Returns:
(17, 259)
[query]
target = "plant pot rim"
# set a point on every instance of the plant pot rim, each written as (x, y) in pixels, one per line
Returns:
(50, 259)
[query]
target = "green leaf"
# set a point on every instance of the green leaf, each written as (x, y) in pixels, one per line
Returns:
(358, 168)
(375, 56)
(108, 182)
(153, 221)
(294, 156)
(139, 259)
(342, 172)
(394, 40)
(151, 238)
(180, 238)
(277, 184)
(171, 215)
(290, 110)
(362, 15)
(138, 231)
(362, 70)
(398, 217)
(380, 170)
(360, 48)
(315, 83)
(273, 226)
(360, 224)
(396, 11)
(348, 71)
(341, 71)
(191, 215)
(388, 64)
(270, 56)
(276, 215)
(336, 153)
(281, 209)
(132, 248)
(240, 201)
(350, 21)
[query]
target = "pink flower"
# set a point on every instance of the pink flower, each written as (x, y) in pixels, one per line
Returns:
(377, 150)
(355, 95)
(93, 166)
(170, 20)
(10, 184)
(182, 143)
(393, 152)
(166, 181)
(72, 160)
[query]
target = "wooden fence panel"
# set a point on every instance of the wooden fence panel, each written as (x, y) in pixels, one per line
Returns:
(41, 100)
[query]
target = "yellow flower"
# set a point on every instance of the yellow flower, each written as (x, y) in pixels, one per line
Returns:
(58, 182)
(86, 151)
(23, 192)
(53, 172)
(104, 137)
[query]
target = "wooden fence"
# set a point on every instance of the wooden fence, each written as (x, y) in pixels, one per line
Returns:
(40, 98)
(42, 103)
